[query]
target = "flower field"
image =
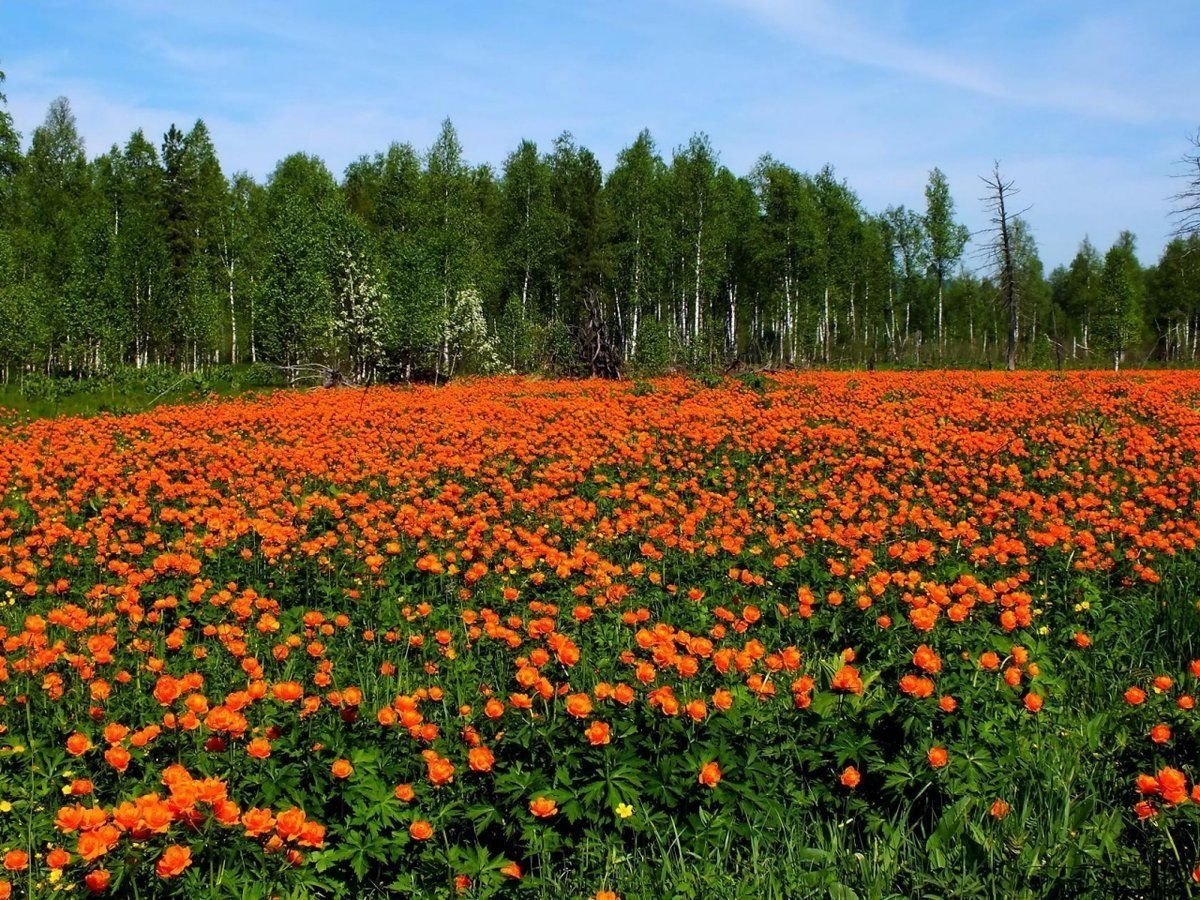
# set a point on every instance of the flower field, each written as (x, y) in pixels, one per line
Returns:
(871, 634)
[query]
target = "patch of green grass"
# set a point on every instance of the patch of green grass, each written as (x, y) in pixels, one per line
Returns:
(127, 391)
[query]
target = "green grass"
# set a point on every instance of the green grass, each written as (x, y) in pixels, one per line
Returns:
(127, 391)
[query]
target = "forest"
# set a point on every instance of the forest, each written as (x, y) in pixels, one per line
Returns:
(416, 264)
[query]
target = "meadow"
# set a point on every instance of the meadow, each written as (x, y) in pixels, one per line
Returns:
(874, 634)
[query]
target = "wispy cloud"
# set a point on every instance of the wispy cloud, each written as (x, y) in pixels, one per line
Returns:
(1087, 107)
(1008, 73)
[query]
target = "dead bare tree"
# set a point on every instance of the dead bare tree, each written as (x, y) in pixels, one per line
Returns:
(317, 373)
(1187, 201)
(999, 251)
(596, 350)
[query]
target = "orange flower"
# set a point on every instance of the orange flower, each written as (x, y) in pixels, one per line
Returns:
(579, 705)
(710, 775)
(543, 807)
(16, 860)
(480, 759)
(94, 844)
(1172, 785)
(227, 812)
(850, 777)
(97, 880)
(69, 818)
(259, 748)
(405, 793)
(258, 822)
(312, 835)
(166, 690)
(441, 771)
(287, 691)
(938, 757)
(1135, 696)
(847, 680)
(1033, 702)
(81, 787)
(999, 809)
(78, 744)
(118, 757)
(916, 686)
(341, 768)
(115, 732)
(512, 870)
(173, 861)
(1160, 733)
(420, 830)
(1147, 784)
(289, 823)
(926, 660)
(598, 734)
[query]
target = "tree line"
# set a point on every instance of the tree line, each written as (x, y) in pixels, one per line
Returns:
(419, 265)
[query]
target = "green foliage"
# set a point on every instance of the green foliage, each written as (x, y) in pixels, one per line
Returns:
(755, 381)
(127, 389)
(154, 256)
(652, 355)
(554, 346)
(1118, 319)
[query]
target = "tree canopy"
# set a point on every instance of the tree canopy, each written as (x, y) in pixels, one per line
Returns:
(419, 264)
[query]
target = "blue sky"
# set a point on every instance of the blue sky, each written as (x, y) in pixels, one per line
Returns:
(1087, 105)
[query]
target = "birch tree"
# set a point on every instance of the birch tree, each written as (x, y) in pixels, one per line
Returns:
(1119, 317)
(947, 239)
(525, 239)
(636, 196)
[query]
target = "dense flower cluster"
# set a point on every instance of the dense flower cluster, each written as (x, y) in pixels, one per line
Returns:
(431, 638)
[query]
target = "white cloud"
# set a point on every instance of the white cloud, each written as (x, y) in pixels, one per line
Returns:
(1009, 72)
